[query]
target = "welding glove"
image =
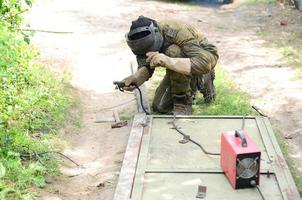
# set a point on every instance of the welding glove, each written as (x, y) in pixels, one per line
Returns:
(136, 79)
(180, 65)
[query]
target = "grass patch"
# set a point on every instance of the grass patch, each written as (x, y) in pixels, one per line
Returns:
(293, 54)
(297, 64)
(292, 166)
(289, 45)
(263, 33)
(33, 105)
(229, 100)
(287, 51)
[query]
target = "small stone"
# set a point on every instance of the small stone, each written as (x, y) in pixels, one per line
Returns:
(283, 23)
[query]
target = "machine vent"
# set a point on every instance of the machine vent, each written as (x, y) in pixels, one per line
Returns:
(247, 167)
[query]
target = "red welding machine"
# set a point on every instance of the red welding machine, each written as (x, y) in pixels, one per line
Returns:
(240, 159)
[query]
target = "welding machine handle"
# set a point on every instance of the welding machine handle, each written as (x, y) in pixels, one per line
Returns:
(242, 137)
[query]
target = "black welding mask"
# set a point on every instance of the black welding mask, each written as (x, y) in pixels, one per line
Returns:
(144, 38)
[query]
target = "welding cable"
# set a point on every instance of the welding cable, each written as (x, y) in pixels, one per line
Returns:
(260, 192)
(258, 111)
(189, 139)
(38, 155)
(254, 184)
(121, 85)
(141, 100)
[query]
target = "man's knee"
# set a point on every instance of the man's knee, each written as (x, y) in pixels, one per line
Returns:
(180, 83)
(174, 51)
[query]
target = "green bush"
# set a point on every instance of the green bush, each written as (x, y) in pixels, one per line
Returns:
(11, 10)
(33, 105)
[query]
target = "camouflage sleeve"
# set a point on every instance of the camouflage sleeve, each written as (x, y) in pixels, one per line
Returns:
(202, 54)
(141, 62)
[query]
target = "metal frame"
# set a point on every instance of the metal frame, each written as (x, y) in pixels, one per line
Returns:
(127, 175)
(132, 175)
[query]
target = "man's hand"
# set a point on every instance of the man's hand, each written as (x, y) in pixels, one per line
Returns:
(157, 59)
(130, 83)
(137, 79)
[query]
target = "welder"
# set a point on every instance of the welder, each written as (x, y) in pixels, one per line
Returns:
(185, 53)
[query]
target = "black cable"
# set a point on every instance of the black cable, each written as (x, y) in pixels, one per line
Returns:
(141, 100)
(37, 155)
(120, 85)
(243, 122)
(258, 111)
(56, 152)
(254, 184)
(189, 139)
(260, 192)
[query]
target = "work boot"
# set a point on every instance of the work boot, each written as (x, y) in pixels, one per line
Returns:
(182, 105)
(207, 87)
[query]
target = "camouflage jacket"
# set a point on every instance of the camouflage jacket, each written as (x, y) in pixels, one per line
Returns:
(193, 43)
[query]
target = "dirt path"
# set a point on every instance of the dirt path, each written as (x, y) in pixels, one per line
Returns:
(96, 54)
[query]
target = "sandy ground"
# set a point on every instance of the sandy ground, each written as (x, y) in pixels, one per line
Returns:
(96, 54)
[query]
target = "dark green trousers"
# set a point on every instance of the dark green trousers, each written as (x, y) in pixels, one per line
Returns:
(173, 85)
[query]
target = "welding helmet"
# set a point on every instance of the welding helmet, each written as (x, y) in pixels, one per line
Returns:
(144, 36)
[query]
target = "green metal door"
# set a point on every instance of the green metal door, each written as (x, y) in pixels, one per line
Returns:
(168, 169)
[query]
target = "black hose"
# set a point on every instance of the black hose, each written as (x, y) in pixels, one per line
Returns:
(189, 139)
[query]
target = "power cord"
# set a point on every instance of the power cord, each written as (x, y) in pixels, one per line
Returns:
(253, 183)
(187, 137)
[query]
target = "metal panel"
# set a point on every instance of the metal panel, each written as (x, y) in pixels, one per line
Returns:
(182, 186)
(169, 170)
(167, 154)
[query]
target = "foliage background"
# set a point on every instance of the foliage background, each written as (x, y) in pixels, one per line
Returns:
(33, 105)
